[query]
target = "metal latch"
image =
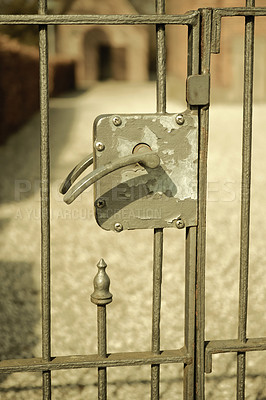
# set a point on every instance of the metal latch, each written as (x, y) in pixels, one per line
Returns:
(198, 90)
(145, 171)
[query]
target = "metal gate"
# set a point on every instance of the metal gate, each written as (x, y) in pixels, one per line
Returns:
(204, 30)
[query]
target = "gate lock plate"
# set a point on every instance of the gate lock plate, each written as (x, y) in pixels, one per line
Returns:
(145, 171)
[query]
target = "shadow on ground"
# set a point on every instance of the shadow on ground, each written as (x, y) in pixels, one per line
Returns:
(19, 311)
(20, 155)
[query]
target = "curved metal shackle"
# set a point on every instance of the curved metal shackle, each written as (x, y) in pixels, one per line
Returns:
(149, 159)
(75, 173)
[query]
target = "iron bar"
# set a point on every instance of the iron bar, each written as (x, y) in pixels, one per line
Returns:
(248, 11)
(101, 297)
(187, 19)
(95, 361)
(156, 308)
(161, 59)
(245, 196)
(191, 243)
(194, 362)
(193, 48)
(219, 13)
(190, 273)
(45, 195)
(229, 346)
(45, 201)
(205, 51)
(131, 358)
(102, 378)
(158, 233)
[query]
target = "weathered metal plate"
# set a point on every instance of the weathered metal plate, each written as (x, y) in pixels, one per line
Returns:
(135, 197)
(198, 89)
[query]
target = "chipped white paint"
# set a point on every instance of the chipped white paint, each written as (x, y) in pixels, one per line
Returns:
(170, 164)
(168, 122)
(170, 220)
(184, 173)
(168, 152)
(124, 146)
(150, 138)
(180, 176)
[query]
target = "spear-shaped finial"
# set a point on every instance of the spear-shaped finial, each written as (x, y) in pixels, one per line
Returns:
(101, 296)
(101, 282)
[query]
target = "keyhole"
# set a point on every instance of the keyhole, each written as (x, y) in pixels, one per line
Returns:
(141, 148)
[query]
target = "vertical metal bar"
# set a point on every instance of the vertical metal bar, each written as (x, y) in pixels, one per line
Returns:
(102, 349)
(101, 297)
(45, 201)
(191, 243)
(156, 308)
(245, 195)
(161, 60)
(158, 233)
(193, 48)
(190, 273)
(45, 195)
(206, 18)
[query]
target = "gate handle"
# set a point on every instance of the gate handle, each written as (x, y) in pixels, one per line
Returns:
(75, 173)
(149, 159)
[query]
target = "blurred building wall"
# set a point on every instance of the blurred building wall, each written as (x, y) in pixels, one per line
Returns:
(19, 82)
(226, 67)
(105, 52)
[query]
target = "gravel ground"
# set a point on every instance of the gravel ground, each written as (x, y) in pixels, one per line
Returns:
(78, 243)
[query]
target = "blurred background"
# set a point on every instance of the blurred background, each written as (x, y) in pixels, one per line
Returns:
(111, 69)
(83, 55)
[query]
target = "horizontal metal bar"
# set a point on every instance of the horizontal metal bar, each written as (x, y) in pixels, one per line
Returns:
(95, 361)
(218, 13)
(228, 346)
(240, 11)
(186, 19)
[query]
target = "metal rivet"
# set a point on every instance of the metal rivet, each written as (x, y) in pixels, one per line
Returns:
(100, 203)
(117, 121)
(180, 224)
(180, 119)
(99, 146)
(118, 227)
